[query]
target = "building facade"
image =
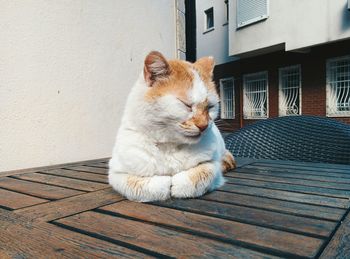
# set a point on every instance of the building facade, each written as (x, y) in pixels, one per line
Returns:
(285, 58)
(212, 30)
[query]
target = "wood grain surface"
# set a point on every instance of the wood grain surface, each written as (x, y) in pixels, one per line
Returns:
(267, 209)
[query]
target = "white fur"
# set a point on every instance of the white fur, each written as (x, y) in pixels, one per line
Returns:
(150, 143)
(199, 92)
(157, 187)
(182, 187)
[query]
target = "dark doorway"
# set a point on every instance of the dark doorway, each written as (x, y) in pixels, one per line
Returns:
(190, 15)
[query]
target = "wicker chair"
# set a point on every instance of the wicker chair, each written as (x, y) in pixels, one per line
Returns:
(296, 138)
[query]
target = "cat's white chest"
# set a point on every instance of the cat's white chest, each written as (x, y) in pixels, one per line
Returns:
(176, 158)
(136, 154)
(183, 157)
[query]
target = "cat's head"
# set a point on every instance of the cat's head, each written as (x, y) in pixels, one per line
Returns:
(182, 95)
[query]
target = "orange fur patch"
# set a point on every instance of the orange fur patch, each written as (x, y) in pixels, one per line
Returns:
(178, 83)
(205, 67)
(201, 173)
(187, 124)
(155, 67)
(201, 118)
(228, 162)
(180, 79)
(136, 183)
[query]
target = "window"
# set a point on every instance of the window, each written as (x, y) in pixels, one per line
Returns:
(209, 19)
(255, 93)
(251, 11)
(338, 86)
(289, 91)
(227, 96)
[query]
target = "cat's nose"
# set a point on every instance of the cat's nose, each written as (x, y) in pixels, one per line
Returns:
(202, 127)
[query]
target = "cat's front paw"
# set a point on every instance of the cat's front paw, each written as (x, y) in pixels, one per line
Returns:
(158, 189)
(183, 187)
(228, 162)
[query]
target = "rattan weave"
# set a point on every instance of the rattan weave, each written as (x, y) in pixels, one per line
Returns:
(296, 138)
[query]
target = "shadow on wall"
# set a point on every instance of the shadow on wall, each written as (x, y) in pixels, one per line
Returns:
(345, 18)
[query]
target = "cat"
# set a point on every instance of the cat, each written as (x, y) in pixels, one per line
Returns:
(167, 144)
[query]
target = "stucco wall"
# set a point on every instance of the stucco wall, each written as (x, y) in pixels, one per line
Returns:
(297, 24)
(213, 43)
(66, 68)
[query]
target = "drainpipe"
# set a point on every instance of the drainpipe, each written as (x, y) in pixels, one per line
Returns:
(241, 106)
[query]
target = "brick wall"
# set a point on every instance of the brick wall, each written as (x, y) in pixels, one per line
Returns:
(313, 77)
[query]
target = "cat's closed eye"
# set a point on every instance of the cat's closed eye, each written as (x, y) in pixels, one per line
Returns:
(188, 106)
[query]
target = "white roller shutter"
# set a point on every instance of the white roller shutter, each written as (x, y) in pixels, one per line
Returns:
(250, 11)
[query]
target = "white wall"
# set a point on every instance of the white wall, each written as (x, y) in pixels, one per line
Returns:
(298, 24)
(66, 68)
(214, 43)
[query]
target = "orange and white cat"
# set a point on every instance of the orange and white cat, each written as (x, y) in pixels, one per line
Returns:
(167, 144)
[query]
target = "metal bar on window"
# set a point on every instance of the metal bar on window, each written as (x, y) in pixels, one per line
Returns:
(289, 91)
(255, 95)
(338, 86)
(227, 98)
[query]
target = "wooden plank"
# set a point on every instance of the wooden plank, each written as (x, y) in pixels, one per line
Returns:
(37, 189)
(309, 164)
(316, 177)
(90, 169)
(36, 169)
(77, 175)
(15, 200)
(242, 161)
(269, 219)
(305, 168)
(291, 187)
(161, 240)
(292, 244)
(297, 172)
(62, 181)
(288, 196)
(293, 208)
(69, 206)
(101, 165)
(20, 239)
(290, 179)
(339, 246)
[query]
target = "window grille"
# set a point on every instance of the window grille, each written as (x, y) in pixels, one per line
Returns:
(209, 18)
(338, 86)
(255, 99)
(289, 91)
(251, 11)
(227, 95)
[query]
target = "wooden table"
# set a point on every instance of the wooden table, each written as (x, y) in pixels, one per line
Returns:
(267, 209)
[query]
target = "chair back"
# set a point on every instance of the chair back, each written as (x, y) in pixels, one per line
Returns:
(296, 138)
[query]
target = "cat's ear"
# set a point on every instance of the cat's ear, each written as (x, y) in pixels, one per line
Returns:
(156, 67)
(205, 65)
